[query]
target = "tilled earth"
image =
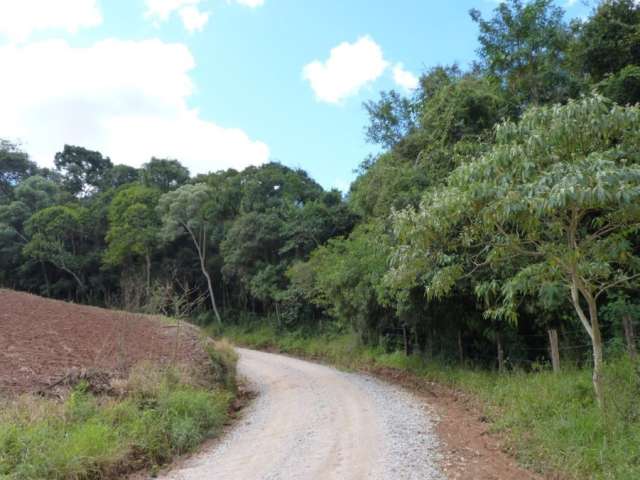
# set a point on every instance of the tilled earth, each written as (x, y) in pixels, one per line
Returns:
(312, 422)
(42, 340)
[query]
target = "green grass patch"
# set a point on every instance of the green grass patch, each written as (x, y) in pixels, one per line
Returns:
(161, 413)
(551, 421)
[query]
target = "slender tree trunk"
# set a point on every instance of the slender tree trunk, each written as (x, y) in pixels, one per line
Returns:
(460, 347)
(46, 278)
(630, 336)
(406, 337)
(210, 286)
(148, 273)
(278, 315)
(598, 356)
(202, 256)
(500, 353)
(554, 350)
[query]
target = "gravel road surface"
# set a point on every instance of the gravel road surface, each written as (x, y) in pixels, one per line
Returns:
(313, 422)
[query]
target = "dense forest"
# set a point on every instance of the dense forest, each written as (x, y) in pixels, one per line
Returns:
(498, 225)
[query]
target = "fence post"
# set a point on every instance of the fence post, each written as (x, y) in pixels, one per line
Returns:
(500, 353)
(629, 336)
(554, 350)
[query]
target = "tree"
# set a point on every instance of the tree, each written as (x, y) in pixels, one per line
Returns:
(610, 39)
(83, 170)
(164, 174)
(188, 210)
(524, 45)
(556, 199)
(55, 237)
(134, 226)
(391, 118)
(15, 167)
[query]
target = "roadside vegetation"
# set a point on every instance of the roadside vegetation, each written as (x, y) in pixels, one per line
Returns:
(149, 418)
(550, 421)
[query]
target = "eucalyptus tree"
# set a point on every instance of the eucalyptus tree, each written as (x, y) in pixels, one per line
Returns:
(556, 199)
(190, 210)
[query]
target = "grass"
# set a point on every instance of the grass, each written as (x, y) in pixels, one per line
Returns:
(550, 421)
(159, 413)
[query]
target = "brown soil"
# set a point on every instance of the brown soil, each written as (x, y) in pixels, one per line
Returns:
(45, 342)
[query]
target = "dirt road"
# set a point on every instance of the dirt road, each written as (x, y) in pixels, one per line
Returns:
(313, 422)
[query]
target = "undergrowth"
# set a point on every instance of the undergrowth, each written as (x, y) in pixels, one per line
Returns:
(550, 421)
(158, 414)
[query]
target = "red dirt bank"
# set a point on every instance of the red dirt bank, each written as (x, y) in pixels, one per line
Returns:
(42, 339)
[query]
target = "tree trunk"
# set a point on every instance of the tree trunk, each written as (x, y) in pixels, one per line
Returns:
(46, 278)
(500, 353)
(630, 336)
(278, 315)
(407, 340)
(201, 249)
(209, 285)
(148, 273)
(460, 347)
(592, 326)
(554, 350)
(598, 362)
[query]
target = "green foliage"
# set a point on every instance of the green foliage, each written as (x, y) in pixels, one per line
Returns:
(82, 170)
(524, 45)
(54, 237)
(610, 40)
(15, 167)
(133, 224)
(164, 174)
(622, 87)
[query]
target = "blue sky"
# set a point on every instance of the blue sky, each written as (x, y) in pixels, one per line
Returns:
(220, 83)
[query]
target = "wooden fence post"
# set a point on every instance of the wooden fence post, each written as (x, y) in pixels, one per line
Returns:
(629, 336)
(554, 350)
(500, 354)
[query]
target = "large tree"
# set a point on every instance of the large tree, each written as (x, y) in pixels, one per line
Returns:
(134, 227)
(83, 171)
(556, 199)
(525, 46)
(189, 210)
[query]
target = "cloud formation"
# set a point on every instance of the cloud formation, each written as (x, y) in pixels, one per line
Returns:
(250, 3)
(193, 19)
(127, 99)
(349, 68)
(404, 78)
(20, 18)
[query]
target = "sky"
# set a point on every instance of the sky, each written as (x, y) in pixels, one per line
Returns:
(220, 83)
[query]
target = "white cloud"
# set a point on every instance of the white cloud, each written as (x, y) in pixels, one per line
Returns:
(20, 18)
(192, 17)
(127, 99)
(251, 3)
(404, 78)
(350, 67)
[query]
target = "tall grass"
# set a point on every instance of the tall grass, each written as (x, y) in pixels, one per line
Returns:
(550, 421)
(160, 413)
